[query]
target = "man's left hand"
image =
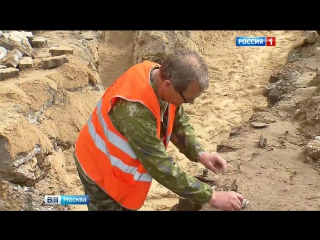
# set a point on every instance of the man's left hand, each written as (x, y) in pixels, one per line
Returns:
(213, 162)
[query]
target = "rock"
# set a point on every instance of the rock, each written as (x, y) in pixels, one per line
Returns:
(229, 145)
(312, 37)
(154, 45)
(12, 59)
(315, 81)
(15, 40)
(273, 79)
(17, 199)
(93, 80)
(57, 51)
(3, 52)
(43, 55)
(25, 63)
(5, 44)
(3, 66)
(304, 80)
(275, 96)
(234, 131)
(39, 42)
(313, 149)
(266, 91)
(28, 34)
(53, 62)
(87, 36)
(29, 52)
(310, 63)
(7, 73)
(262, 142)
(302, 94)
(258, 124)
(30, 38)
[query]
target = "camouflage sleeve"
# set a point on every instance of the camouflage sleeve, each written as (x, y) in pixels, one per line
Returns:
(138, 125)
(183, 136)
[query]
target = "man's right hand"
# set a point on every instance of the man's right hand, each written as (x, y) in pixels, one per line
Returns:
(228, 201)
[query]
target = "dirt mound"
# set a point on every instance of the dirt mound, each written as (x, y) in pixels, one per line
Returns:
(42, 110)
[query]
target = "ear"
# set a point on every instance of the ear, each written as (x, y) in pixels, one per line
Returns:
(166, 84)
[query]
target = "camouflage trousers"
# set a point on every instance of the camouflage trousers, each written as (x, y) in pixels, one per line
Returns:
(99, 200)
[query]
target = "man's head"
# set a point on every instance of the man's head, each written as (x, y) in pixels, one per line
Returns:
(184, 77)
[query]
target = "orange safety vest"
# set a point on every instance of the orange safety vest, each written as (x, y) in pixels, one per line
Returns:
(105, 154)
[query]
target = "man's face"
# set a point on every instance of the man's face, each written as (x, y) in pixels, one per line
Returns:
(177, 98)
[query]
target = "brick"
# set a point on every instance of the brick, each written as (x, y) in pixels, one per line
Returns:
(43, 55)
(26, 43)
(4, 43)
(53, 62)
(15, 40)
(25, 63)
(57, 51)
(28, 34)
(12, 59)
(30, 38)
(7, 73)
(27, 51)
(3, 52)
(39, 42)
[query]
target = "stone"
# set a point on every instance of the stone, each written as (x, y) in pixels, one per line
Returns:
(267, 89)
(39, 42)
(315, 81)
(30, 37)
(234, 131)
(3, 66)
(43, 55)
(7, 73)
(5, 44)
(53, 62)
(25, 63)
(258, 124)
(26, 43)
(274, 96)
(12, 59)
(312, 37)
(262, 142)
(3, 52)
(304, 80)
(29, 52)
(57, 51)
(313, 149)
(15, 40)
(273, 79)
(28, 34)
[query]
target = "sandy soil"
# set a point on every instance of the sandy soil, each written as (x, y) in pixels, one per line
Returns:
(270, 180)
(238, 77)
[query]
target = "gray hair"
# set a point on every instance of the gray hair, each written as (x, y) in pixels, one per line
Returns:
(183, 66)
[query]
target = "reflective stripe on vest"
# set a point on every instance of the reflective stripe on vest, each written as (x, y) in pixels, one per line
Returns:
(119, 143)
(105, 154)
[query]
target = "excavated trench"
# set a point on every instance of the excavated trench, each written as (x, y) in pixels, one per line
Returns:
(42, 111)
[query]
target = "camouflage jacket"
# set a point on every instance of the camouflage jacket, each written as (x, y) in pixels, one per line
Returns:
(138, 125)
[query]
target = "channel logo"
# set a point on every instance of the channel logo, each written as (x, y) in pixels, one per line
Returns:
(255, 41)
(67, 200)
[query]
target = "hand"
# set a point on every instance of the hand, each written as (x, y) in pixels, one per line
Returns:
(228, 201)
(213, 162)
